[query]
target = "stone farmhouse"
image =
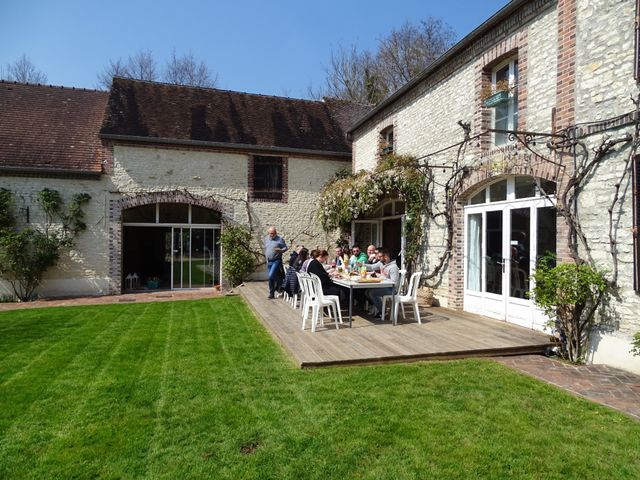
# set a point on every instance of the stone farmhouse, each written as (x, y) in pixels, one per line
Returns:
(165, 166)
(517, 109)
(571, 70)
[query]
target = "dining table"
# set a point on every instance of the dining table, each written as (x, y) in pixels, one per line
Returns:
(354, 282)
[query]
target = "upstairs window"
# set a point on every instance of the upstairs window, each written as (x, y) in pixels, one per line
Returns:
(267, 178)
(386, 141)
(505, 114)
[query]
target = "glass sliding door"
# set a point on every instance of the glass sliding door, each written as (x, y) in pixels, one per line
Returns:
(194, 261)
(202, 257)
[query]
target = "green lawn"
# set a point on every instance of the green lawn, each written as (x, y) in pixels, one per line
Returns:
(199, 390)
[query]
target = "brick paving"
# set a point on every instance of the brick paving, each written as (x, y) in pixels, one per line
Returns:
(606, 385)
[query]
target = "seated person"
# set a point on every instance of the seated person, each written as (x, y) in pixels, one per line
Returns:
(372, 254)
(315, 266)
(305, 264)
(357, 256)
(389, 271)
(294, 255)
(342, 257)
(290, 283)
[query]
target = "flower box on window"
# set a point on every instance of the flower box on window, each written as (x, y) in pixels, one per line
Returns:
(497, 98)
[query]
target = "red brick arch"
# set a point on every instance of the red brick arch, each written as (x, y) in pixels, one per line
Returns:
(117, 206)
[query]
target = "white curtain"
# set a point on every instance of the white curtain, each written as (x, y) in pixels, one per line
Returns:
(474, 252)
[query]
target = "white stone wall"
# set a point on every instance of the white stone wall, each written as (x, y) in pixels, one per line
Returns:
(224, 176)
(542, 71)
(85, 269)
(604, 64)
(604, 85)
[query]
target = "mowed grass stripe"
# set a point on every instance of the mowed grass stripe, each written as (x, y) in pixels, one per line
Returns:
(37, 335)
(66, 361)
(76, 396)
(114, 396)
(210, 395)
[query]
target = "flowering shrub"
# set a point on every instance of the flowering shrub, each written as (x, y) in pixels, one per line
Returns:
(350, 197)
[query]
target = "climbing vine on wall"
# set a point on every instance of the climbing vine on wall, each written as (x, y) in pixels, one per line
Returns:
(348, 197)
(27, 252)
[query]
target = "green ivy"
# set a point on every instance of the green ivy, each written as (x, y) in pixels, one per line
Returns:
(569, 294)
(348, 197)
(238, 260)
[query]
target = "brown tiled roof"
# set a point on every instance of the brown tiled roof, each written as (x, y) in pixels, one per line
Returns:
(148, 111)
(50, 129)
(346, 112)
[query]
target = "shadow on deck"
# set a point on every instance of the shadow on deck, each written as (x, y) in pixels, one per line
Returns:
(443, 334)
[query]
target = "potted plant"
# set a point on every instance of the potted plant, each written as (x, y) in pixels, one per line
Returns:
(494, 95)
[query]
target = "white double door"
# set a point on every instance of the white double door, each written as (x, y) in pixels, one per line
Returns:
(503, 242)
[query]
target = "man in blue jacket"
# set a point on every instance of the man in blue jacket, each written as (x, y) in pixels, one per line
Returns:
(274, 247)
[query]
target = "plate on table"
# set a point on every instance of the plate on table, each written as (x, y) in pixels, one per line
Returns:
(369, 280)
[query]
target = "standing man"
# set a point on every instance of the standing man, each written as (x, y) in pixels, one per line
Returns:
(274, 247)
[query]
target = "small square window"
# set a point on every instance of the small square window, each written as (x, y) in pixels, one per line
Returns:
(267, 178)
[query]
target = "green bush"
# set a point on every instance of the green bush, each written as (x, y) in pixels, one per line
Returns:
(569, 294)
(27, 253)
(238, 259)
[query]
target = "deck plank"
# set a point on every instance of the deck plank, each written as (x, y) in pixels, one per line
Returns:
(443, 334)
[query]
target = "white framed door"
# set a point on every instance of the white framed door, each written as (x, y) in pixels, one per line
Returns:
(503, 242)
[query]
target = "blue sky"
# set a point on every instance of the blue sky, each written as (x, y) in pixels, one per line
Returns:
(277, 47)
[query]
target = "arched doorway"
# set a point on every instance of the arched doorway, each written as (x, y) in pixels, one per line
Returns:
(509, 226)
(170, 246)
(384, 227)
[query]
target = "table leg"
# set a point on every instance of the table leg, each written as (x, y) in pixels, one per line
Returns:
(350, 304)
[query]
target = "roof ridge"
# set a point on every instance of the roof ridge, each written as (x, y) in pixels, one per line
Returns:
(223, 90)
(48, 85)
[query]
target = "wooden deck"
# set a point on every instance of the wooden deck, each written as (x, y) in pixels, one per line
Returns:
(444, 334)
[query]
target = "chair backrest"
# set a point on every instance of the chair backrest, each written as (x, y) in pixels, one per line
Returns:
(401, 279)
(316, 285)
(309, 286)
(412, 290)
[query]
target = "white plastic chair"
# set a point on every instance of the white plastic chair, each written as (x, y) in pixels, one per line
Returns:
(318, 301)
(410, 297)
(307, 292)
(401, 280)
